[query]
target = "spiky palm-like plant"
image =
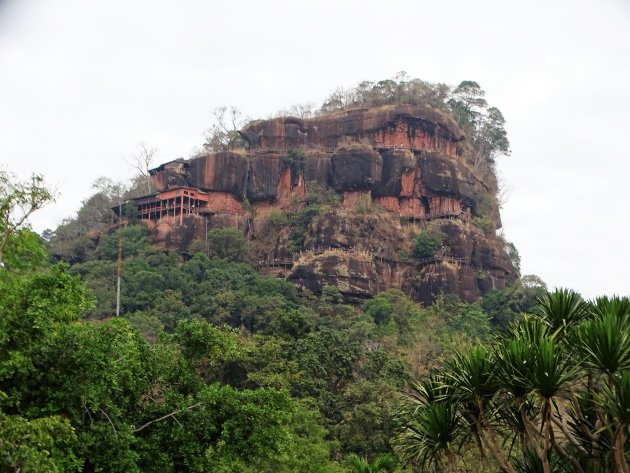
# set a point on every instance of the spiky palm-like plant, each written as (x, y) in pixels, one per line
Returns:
(604, 305)
(604, 343)
(559, 377)
(472, 377)
(615, 401)
(384, 462)
(531, 463)
(430, 434)
(561, 309)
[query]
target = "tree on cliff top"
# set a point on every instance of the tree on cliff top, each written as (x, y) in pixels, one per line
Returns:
(223, 134)
(466, 103)
(486, 125)
(142, 161)
(398, 90)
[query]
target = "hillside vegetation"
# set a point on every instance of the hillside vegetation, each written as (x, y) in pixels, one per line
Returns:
(212, 366)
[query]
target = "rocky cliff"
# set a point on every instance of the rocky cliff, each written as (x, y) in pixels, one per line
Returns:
(339, 199)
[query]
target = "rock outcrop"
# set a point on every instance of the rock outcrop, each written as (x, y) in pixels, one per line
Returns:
(396, 170)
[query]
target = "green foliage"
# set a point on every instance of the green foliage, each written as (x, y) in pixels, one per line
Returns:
(227, 243)
(385, 462)
(327, 359)
(130, 212)
(37, 445)
(549, 386)
(487, 124)
(427, 243)
(135, 242)
(561, 310)
(398, 90)
(466, 103)
(393, 307)
(363, 204)
(299, 226)
(24, 252)
(430, 433)
(484, 224)
(18, 201)
(318, 195)
(605, 343)
(514, 256)
(296, 161)
(508, 304)
(75, 240)
(115, 393)
(149, 326)
(169, 309)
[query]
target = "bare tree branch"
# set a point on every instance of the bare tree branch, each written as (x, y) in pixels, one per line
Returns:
(172, 414)
(142, 161)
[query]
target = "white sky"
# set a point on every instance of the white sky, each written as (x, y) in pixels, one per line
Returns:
(82, 82)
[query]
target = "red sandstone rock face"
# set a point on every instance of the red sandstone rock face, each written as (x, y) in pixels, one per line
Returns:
(407, 160)
(223, 202)
(359, 256)
(398, 164)
(348, 152)
(404, 126)
(220, 172)
(357, 168)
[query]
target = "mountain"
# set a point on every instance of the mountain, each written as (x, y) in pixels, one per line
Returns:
(364, 199)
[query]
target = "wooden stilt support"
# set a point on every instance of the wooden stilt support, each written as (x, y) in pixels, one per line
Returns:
(119, 271)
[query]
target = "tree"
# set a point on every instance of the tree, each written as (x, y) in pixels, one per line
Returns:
(24, 252)
(37, 445)
(555, 386)
(339, 99)
(428, 242)
(300, 110)
(18, 201)
(228, 243)
(223, 134)
(141, 161)
(467, 103)
(491, 138)
(486, 125)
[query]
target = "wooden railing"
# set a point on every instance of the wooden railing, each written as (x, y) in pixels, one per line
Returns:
(374, 256)
(325, 149)
(442, 215)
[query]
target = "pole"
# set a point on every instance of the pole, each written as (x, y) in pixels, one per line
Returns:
(118, 280)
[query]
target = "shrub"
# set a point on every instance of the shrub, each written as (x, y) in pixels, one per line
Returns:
(227, 243)
(363, 204)
(299, 226)
(427, 243)
(483, 224)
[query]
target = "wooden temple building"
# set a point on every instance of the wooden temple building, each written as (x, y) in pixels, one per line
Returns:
(174, 197)
(173, 202)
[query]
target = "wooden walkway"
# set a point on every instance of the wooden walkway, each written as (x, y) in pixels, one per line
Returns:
(326, 149)
(375, 257)
(442, 215)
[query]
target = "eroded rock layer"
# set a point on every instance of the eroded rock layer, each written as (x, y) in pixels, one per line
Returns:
(397, 171)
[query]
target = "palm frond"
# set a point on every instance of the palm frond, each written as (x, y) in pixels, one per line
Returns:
(561, 309)
(604, 343)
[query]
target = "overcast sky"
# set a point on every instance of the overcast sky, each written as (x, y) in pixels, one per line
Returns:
(83, 82)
